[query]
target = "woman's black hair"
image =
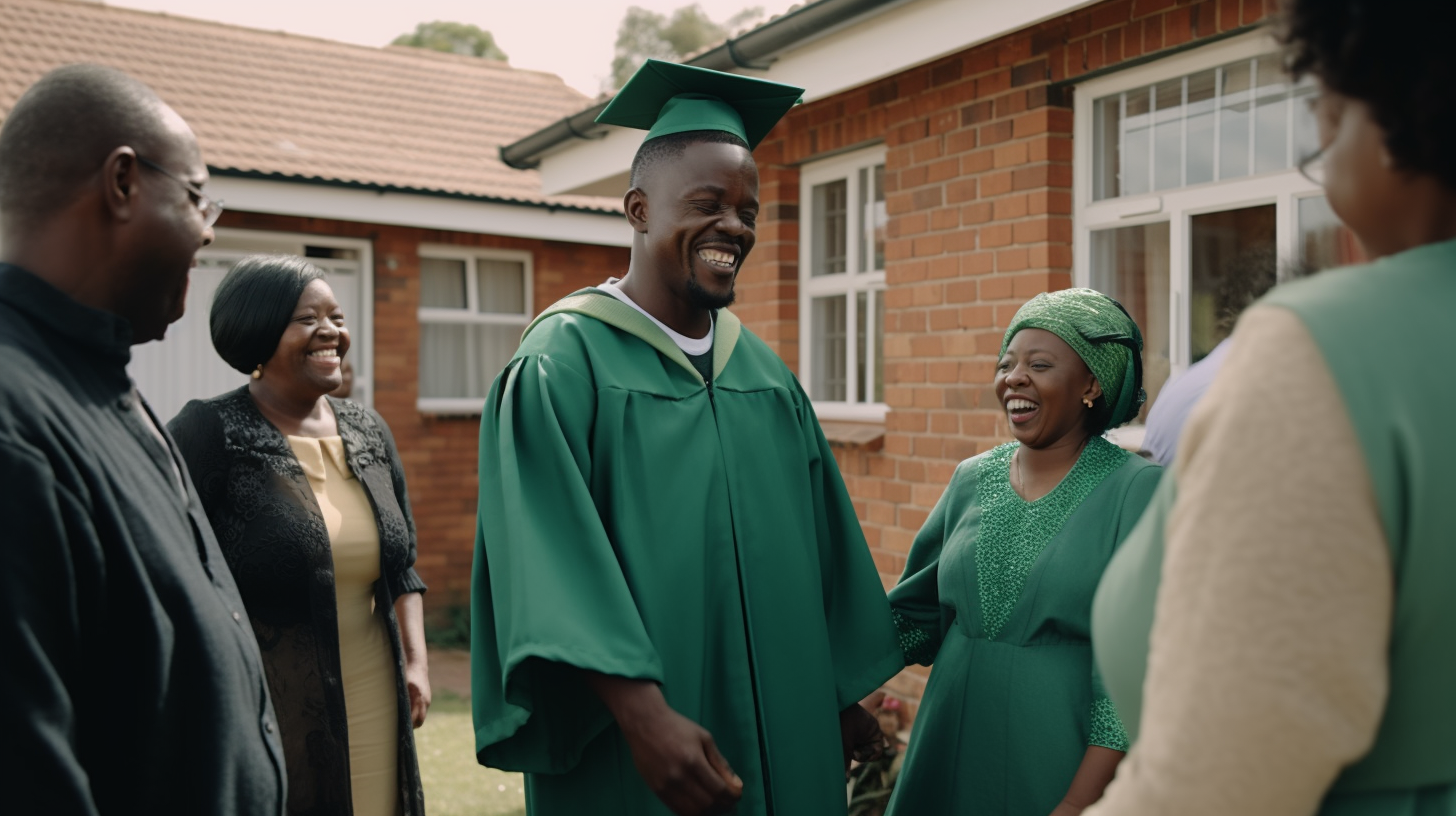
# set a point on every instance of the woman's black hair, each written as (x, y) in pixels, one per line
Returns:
(1393, 55)
(253, 304)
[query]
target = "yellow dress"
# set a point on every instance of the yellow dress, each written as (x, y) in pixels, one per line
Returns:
(365, 656)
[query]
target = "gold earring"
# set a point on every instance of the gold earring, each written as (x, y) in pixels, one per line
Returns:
(258, 372)
(1085, 401)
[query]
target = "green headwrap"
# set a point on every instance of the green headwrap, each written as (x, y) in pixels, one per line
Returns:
(1103, 335)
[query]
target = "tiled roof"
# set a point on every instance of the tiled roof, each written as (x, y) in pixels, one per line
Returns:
(283, 106)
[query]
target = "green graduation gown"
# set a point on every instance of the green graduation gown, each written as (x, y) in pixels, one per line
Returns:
(637, 521)
(997, 592)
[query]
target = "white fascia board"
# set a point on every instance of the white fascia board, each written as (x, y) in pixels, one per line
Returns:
(425, 211)
(583, 164)
(879, 46)
(903, 37)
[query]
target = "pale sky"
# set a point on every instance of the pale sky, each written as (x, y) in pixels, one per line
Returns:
(570, 38)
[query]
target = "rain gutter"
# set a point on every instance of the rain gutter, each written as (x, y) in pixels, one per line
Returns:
(754, 50)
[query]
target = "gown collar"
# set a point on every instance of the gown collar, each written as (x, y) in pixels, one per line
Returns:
(597, 304)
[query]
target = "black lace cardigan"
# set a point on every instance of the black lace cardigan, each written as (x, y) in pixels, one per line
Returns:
(272, 533)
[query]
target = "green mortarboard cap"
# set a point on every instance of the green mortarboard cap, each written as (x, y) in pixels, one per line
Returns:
(665, 97)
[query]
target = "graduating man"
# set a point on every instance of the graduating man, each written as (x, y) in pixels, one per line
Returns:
(130, 680)
(674, 608)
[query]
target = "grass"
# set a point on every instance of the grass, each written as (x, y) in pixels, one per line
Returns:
(455, 784)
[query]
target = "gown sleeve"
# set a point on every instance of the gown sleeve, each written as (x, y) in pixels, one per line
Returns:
(548, 596)
(862, 639)
(1106, 727)
(915, 605)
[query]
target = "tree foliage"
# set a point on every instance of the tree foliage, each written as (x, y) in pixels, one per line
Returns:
(453, 38)
(645, 34)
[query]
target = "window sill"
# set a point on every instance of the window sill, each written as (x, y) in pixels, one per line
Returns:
(450, 406)
(865, 436)
(851, 411)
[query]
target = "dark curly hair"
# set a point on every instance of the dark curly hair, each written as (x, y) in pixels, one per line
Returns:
(1395, 56)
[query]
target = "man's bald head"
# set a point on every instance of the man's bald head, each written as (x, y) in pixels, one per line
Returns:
(62, 130)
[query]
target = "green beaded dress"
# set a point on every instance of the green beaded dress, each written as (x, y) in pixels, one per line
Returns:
(997, 593)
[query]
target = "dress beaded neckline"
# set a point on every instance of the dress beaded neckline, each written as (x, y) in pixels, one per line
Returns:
(1013, 531)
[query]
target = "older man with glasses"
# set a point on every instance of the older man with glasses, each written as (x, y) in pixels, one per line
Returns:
(131, 681)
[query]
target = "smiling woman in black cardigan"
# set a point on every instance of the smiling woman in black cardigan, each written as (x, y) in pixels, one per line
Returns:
(307, 497)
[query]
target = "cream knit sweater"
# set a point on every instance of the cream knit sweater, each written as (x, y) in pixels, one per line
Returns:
(1267, 672)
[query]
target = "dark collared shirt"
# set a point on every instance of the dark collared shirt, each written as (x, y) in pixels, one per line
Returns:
(130, 680)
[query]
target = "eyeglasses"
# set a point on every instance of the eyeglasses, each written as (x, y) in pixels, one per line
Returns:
(210, 208)
(1327, 108)
(1312, 167)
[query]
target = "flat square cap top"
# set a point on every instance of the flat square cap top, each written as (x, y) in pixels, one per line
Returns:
(665, 97)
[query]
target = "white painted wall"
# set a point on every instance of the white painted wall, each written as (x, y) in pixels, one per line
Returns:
(429, 212)
(881, 45)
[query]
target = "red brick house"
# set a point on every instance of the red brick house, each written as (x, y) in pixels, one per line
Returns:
(381, 165)
(955, 158)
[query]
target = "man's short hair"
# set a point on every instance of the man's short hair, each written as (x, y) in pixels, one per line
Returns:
(253, 304)
(62, 129)
(1393, 55)
(655, 152)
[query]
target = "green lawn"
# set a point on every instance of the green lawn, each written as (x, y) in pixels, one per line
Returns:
(455, 784)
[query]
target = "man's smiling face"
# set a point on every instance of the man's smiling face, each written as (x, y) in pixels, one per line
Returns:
(703, 206)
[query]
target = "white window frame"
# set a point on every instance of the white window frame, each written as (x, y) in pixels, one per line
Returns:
(361, 326)
(844, 166)
(1284, 188)
(470, 315)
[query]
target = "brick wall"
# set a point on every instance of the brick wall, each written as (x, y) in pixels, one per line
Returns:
(978, 191)
(439, 453)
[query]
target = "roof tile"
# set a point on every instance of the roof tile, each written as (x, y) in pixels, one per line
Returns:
(281, 105)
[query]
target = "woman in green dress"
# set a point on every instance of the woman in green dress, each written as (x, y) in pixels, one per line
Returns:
(1298, 558)
(998, 587)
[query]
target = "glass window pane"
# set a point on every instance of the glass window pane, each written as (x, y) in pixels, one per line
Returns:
(831, 215)
(1233, 126)
(1233, 262)
(827, 332)
(1168, 135)
(1202, 99)
(495, 346)
(444, 370)
(1136, 142)
(1106, 124)
(1221, 123)
(502, 286)
(861, 239)
(872, 217)
(861, 308)
(1271, 116)
(1306, 129)
(879, 346)
(461, 360)
(1131, 265)
(1324, 242)
(442, 283)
